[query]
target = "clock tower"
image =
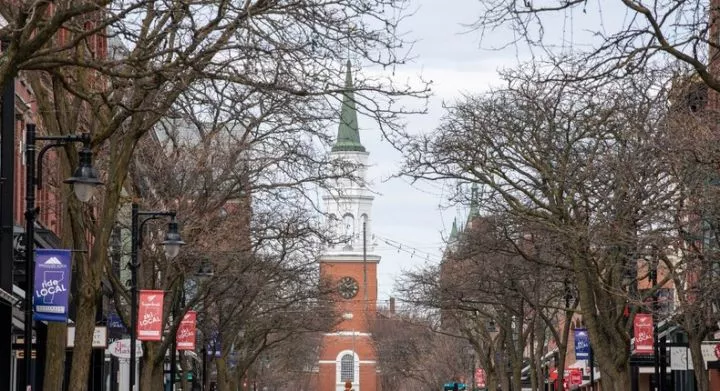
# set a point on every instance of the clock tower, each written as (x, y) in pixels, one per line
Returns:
(348, 353)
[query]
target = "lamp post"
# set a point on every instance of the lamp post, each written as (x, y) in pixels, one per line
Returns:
(172, 245)
(204, 365)
(84, 180)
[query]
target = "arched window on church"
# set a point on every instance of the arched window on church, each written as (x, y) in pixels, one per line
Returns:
(347, 368)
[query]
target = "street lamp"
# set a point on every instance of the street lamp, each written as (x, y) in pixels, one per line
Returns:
(84, 182)
(171, 244)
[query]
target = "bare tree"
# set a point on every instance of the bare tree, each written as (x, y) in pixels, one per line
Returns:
(415, 357)
(501, 287)
(158, 52)
(691, 135)
(287, 365)
(581, 163)
(261, 247)
(34, 33)
(621, 39)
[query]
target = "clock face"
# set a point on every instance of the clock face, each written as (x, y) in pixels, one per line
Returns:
(348, 287)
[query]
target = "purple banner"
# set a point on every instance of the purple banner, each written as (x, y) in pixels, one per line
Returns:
(582, 344)
(52, 284)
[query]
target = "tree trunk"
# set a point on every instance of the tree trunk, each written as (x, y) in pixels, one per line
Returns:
(152, 374)
(561, 368)
(701, 375)
(185, 369)
(491, 380)
(223, 374)
(602, 313)
(516, 375)
(152, 377)
(91, 267)
(84, 329)
(505, 386)
(57, 332)
(55, 360)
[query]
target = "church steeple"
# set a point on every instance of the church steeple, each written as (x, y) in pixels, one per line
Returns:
(348, 137)
(454, 231)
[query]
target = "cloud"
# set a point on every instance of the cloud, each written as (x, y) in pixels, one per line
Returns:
(404, 213)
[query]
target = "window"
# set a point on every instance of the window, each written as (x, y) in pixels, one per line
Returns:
(347, 368)
(666, 301)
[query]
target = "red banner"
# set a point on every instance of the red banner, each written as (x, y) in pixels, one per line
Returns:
(643, 333)
(150, 313)
(185, 339)
(571, 376)
(480, 378)
(576, 377)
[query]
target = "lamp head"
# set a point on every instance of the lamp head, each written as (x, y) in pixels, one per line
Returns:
(85, 179)
(172, 242)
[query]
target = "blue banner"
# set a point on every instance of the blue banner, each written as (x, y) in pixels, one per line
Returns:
(582, 344)
(52, 284)
(213, 345)
(114, 321)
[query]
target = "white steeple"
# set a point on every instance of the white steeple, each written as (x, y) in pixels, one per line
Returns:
(348, 206)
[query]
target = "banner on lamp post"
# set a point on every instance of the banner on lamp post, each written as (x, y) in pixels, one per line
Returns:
(52, 284)
(643, 333)
(185, 339)
(576, 376)
(150, 312)
(114, 321)
(213, 346)
(582, 344)
(479, 378)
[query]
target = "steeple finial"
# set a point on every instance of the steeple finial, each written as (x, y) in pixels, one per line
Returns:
(348, 137)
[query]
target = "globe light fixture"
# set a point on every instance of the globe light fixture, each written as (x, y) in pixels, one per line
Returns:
(172, 242)
(85, 178)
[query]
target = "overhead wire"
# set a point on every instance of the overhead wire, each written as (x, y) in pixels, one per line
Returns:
(408, 249)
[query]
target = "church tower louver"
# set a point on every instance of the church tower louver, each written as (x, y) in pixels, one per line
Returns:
(347, 353)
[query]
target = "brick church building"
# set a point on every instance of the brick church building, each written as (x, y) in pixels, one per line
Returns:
(348, 353)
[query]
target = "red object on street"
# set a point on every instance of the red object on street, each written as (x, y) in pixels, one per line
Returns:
(185, 338)
(643, 332)
(150, 313)
(717, 351)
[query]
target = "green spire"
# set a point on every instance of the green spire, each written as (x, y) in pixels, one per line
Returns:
(454, 231)
(348, 138)
(474, 207)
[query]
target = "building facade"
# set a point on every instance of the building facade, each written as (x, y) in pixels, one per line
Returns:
(347, 353)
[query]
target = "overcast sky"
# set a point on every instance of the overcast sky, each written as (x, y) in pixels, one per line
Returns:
(446, 52)
(411, 217)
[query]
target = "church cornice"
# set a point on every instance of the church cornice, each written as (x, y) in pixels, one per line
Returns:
(348, 197)
(349, 258)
